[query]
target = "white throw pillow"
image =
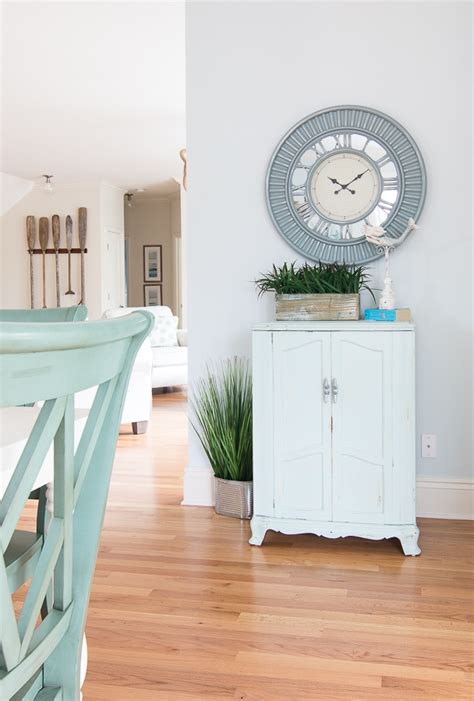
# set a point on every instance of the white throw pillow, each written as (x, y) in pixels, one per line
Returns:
(164, 331)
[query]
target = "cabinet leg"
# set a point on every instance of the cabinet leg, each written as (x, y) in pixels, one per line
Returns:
(410, 544)
(258, 531)
(139, 427)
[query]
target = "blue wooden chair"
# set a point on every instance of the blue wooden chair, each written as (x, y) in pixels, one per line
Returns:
(51, 362)
(76, 313)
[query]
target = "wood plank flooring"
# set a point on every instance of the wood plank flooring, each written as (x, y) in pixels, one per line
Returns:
(183, 609)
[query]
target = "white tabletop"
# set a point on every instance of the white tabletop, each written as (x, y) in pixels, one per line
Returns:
(16, 424)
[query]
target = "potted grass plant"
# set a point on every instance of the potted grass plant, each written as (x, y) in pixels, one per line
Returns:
(320, 292)
(222, 407)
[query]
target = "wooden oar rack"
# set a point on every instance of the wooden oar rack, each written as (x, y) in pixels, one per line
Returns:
(60, 250)
(45, 248)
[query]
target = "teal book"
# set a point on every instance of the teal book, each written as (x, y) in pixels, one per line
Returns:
(387, 315)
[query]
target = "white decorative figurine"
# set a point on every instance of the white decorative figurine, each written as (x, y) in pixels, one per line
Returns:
(375, 235)
(387, 298)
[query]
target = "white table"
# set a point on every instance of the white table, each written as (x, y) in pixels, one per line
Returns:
(16, 424)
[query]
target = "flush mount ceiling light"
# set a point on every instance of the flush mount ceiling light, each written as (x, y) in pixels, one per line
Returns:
(48, 185)
(129, 196)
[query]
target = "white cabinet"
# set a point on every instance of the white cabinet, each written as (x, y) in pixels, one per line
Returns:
(334, 441)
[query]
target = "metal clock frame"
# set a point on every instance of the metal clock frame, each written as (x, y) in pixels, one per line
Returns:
(372, 124)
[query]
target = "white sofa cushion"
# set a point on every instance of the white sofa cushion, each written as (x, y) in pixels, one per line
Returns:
(172, 355)
(164, 331)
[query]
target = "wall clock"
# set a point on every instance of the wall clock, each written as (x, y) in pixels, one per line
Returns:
(337, 170)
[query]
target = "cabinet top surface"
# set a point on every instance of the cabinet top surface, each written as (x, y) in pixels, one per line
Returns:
(334, 326)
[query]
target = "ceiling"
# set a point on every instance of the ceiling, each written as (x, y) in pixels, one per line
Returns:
(94, 91)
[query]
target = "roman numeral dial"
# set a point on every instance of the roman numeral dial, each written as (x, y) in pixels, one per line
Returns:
(335, 172)
(343, 179)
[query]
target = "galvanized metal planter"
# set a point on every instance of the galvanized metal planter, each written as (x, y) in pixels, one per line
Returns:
(233, 498)
(317, 307)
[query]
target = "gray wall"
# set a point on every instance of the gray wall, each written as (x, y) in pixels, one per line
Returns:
(267, 66)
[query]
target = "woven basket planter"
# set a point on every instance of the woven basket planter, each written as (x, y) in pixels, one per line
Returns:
(317, 307)
(234, 498)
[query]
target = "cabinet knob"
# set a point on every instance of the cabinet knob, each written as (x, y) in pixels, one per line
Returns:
(326, 390)
(335, 390)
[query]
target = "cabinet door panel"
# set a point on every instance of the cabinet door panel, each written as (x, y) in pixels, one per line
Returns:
(302, 438)
(362, 420)
(361, 487)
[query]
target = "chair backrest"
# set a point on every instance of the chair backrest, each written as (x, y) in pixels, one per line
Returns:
(75, 313)
(51, 362)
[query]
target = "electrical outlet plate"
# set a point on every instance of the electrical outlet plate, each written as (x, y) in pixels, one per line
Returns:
(428, 445)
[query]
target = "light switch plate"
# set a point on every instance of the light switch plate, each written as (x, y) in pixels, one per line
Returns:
(428, 445)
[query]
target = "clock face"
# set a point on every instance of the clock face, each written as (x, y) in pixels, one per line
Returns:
(338, 170)
(344, 187)
(343, 181)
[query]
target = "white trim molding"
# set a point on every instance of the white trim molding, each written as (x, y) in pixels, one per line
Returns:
(444, 497)
(198, 486)
(436, 497)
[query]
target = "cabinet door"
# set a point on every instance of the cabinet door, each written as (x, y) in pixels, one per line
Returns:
(362, 426)
(302, 425)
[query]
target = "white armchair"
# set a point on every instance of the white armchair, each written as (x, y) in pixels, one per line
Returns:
(156, 366)
(170, 363)
(137, 406)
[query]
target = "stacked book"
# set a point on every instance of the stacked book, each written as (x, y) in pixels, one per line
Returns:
(387, 315)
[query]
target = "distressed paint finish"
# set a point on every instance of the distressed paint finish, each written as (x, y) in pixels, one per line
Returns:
(407, 535)
(338, 458)
(43, 239)
(82, 218)
(31, 241)
(317, 307)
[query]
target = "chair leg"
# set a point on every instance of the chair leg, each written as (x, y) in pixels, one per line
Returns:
(139, 427)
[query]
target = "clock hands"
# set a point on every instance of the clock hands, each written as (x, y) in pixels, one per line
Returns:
(357, 177)
(346, 186)
(342, 187)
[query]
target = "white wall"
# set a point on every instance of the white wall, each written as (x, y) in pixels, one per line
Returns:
(178, 257)
(101, 202)
(149, 222)
(254, 69)
(12, 189)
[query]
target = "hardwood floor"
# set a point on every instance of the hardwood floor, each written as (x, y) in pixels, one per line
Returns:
(183, 609)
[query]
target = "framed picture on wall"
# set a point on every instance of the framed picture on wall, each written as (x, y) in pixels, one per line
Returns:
(152, 270)
(152, 296)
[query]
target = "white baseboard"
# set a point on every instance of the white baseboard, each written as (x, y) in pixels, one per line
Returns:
(198, 487)
(444, 497)
(436, 497)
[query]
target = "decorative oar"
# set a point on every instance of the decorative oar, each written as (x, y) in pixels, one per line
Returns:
(31, 239)
(56, 238)
(82, 245)
(43, 239)
(69, 291)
